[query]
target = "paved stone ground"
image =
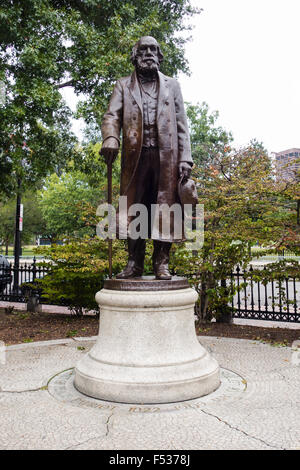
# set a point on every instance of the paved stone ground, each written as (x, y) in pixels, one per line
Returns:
(256, 407)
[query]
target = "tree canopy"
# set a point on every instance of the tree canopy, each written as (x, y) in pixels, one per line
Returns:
(46, 45)
(64, 201)
(244, 206)
(33, 224)
(208, 140)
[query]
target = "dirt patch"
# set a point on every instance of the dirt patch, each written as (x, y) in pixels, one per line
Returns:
(22, 327)
(274, 336)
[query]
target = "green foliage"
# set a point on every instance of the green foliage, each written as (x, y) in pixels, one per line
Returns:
(92, 165)
(7, 226)
(33, 222)
(6, 184)
(243, 206)
(207, 139)
(64, 201)
(288, 206)
(33, 140)
(278, 273)
(78, 270)
(69, 200)
(46, 45)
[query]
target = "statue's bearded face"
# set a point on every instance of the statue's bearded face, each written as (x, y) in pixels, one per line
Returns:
(147, 60)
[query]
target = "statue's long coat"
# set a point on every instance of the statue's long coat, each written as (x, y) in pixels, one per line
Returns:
(125, 113)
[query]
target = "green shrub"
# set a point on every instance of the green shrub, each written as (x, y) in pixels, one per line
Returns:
(78, 270)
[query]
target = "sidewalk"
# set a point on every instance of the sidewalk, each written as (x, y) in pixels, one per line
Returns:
(255, 408)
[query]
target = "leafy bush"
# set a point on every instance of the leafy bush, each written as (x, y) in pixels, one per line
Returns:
(78, 270)
(215, 286)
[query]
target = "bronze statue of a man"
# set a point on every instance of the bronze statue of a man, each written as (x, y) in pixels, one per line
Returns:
(148, 107)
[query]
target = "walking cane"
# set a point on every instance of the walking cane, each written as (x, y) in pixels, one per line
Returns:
(109, 200)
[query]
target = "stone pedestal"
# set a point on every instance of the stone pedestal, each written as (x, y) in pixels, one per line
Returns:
(147, 349)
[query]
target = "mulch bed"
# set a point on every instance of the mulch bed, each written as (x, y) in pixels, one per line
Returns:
(22, 327)
(274, 336)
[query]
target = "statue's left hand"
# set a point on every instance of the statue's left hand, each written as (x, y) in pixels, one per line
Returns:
(185, 170)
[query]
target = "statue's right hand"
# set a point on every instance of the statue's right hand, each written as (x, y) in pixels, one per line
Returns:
(109, 155)
(109, 150)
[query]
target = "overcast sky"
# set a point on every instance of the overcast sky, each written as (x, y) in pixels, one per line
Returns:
(245, 63)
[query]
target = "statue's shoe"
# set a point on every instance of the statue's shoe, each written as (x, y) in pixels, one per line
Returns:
(162, 273)
(129, 272)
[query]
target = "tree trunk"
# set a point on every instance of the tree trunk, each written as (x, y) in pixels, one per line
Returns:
(204, 314)
(225, 314)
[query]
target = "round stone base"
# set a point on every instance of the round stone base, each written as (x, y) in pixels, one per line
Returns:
(147, 350)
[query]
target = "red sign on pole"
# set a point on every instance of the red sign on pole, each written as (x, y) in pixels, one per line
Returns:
(21, 218)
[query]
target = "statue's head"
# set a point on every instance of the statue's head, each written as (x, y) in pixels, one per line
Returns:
(146, 55)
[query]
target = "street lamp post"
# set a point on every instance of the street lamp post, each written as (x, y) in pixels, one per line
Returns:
(18, 230)
(17, 246)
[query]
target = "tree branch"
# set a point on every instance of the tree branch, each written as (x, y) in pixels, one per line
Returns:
(68, 83)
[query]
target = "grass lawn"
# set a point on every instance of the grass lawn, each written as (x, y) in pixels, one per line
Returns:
(26, 250)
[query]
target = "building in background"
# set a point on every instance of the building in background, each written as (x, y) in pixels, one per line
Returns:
(287, 164)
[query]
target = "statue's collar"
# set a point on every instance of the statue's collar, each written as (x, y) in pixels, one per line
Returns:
(163, 91)
(147, 79)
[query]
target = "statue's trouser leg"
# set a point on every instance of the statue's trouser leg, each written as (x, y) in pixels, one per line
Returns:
(136, 252)
(146, 190)
(136, 255)
(160, 259)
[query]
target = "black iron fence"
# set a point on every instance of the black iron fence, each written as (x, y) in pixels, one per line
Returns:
(16, 280)
(265, 299)
(274, 300)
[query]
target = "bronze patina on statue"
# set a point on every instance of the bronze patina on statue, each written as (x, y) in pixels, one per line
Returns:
(147, 350)
(148, 108)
